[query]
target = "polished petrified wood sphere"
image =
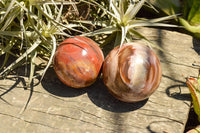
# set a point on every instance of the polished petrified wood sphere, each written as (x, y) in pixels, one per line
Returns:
(132, 73)
(77, 61)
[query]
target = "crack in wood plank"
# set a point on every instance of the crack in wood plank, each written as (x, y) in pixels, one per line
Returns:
(26, 121)
(161, 116)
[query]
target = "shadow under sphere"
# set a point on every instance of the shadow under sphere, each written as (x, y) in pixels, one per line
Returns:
(101, 97)
(53, 85)
(97, 93)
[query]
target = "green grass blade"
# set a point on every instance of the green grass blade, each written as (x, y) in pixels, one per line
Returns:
(169, 7)
(123, 35)
(133, 10)
(150, 24)
(23, 31)
(115, 10)
(31, 20)
(107, 30)
(60, 12)
(11, 33)
(121, 7)
(47, 9)
(55, 2)
(32, 69)
(51, 57)
(150, 6)
(5, 61)
(118, 39)
(55, 5)
(163, 18)
(10, 19)
(11, 66)
(187, 26)
(11, 5)
(8, 46)
(93, 23)
(56, 23)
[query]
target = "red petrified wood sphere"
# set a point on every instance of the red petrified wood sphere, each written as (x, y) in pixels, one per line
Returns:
(132, 73)
(77, 61)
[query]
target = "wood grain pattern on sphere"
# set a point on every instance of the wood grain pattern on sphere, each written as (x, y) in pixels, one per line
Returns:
(77, 61)
(132, 73)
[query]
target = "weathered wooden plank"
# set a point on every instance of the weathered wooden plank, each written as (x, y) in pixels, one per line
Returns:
(53, 107)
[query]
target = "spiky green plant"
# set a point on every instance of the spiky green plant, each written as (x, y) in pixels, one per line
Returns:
(31, 29)
(189, 11)
(121, 22)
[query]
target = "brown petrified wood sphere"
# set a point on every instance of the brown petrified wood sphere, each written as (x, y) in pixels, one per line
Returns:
(132, 73)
